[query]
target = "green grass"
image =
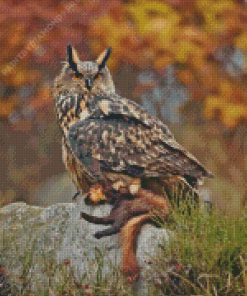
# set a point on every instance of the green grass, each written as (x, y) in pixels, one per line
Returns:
(206, 256)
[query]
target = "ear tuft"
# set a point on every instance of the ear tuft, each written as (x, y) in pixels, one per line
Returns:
(72, 57)
(103, 57)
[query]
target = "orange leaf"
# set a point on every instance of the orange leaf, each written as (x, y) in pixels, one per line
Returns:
(185, 76)
(42, 98)
(161, 62)
(6, 107)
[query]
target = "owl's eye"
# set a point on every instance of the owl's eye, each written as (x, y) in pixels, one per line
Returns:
(98, 76)
(77, 75)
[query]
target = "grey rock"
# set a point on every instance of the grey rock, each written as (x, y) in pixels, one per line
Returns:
(58, 189)
(32, 238)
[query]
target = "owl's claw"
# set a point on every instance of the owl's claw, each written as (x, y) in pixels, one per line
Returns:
(96, 195)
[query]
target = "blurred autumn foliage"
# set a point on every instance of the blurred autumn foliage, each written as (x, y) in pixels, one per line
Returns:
(187, 33)
(203, 40)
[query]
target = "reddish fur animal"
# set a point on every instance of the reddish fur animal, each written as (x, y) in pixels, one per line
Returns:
(130, 212)
(127, 217)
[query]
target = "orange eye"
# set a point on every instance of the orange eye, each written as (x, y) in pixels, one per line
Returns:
(97, 76)
(77, 76)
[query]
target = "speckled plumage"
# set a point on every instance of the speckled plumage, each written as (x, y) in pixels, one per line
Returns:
(103, 132)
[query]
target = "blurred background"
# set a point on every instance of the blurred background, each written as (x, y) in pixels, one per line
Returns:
(183, 60)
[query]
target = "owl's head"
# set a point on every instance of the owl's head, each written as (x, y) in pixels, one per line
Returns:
(90, 77)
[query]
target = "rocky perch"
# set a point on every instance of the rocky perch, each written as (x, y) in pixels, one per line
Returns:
(35, 242)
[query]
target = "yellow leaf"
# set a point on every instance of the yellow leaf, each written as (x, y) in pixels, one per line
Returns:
(241, 41)
(143, 12)
(213, 13)
(210, 104)
(226, 89)
(232, 113)
(183, 49)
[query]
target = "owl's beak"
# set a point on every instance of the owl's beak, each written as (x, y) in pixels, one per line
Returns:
(89, 83)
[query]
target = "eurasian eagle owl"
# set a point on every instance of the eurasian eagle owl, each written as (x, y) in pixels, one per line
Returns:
(116, 151)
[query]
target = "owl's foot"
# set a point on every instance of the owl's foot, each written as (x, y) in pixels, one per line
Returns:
(96, 195)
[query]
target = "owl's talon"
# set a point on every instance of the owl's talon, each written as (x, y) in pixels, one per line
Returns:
(89, 202)
(96, 195)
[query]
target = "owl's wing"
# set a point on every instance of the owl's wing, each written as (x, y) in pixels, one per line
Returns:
(123, 145)
(116, 105)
